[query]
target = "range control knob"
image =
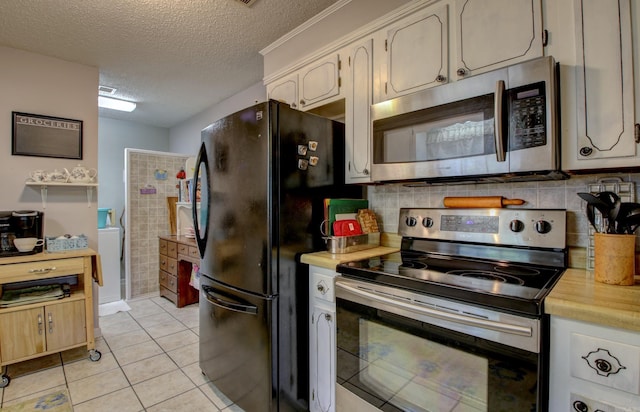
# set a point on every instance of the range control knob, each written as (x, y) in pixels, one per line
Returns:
(542, 226)
(427, 222)
(516, 225)
(411, 221)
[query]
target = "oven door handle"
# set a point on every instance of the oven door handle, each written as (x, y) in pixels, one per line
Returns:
(501, 155)
(440, 314)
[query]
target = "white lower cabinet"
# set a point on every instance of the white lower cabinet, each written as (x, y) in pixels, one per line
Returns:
(593, 368)
(322, 340)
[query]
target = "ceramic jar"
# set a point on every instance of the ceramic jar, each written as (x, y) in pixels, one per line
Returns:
(81, 174)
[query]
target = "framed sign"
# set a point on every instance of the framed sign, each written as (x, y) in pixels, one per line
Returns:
(46, 136)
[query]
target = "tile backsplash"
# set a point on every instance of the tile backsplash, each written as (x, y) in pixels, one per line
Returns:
(386, 200)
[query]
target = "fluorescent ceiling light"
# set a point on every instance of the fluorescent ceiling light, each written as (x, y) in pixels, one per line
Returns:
(116, 104)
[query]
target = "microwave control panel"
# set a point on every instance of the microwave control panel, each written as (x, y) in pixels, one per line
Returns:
(527, 114)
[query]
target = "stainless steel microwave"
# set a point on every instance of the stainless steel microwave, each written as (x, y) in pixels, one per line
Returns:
(500, 125)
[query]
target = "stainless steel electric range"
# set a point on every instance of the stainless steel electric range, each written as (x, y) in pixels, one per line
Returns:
(455, 320)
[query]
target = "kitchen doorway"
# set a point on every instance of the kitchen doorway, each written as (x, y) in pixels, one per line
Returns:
(149, 178)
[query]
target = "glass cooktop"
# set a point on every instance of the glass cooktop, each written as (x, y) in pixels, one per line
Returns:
(500, 285)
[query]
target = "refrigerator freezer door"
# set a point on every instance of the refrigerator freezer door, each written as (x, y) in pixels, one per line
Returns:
(236, 345)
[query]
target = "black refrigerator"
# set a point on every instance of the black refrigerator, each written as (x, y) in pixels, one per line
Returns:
(263, 174)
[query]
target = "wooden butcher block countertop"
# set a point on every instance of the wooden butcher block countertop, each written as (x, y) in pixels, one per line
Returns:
(389, 243)
(578, 296)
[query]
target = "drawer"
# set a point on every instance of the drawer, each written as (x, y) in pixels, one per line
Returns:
(169, 295)
(183, 249)
(323, 285)
(168, 281)
(169, 265)
(163, 247)
(605, 362)
(172, 249)
(42, 269)
(193, 252)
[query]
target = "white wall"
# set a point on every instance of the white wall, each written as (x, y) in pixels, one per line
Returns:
(185, 138)
(114, 137)
(38, 84)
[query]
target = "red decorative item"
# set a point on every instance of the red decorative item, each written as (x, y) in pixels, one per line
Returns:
(348, 227)
(181, 174)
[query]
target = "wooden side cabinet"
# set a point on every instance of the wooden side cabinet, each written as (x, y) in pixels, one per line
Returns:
(32, 330)
(177, 256)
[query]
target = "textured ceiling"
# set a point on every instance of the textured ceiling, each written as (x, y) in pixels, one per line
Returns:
(174, 58)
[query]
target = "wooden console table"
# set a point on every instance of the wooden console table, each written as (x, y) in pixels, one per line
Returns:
(36, 329)
(178, 254)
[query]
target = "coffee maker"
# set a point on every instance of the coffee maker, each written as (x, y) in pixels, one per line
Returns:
(19, 224)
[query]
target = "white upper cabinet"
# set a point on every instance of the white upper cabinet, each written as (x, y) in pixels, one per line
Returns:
(320, 82)
(453, 40)
(494, 34)
(359, 96)
(605, 135)
(314, 85)
(285, 90)
(416, 53)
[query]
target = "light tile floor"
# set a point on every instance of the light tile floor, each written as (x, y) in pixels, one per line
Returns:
(149, 363)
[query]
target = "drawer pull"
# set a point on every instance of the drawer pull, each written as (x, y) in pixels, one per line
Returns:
(50, 319)
(39, 324)
(43, 270)
(603, 362)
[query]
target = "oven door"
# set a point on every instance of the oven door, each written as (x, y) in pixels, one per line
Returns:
(404, 352)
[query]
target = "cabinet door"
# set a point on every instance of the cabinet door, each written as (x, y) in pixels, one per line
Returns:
(496, 33)
(285, 90)
(65, 325)
(359, 97)
(324, 373)
(604, 87)
(417, 53)
(320, 82)
(23, 334)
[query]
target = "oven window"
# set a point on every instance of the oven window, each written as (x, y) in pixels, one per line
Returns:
(398, 364)
(450, 131)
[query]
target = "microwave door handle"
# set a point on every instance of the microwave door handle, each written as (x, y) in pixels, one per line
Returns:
(498, 124)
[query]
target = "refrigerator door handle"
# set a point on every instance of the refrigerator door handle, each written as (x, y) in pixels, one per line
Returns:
(244, 307)
(201, 237)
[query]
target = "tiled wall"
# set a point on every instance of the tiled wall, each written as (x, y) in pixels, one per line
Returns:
(386, 200)
(149, 215)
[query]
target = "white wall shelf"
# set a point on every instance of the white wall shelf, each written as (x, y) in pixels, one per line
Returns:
(44, 186)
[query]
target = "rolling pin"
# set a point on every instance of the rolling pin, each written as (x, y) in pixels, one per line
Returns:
(481, 201)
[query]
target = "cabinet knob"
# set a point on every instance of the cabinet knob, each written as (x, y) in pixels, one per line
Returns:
(321, 288)
(580, 406)
(461, 72)
(586, 151)
(302, 102)
(327, 317)
(366, 172)
(440, 78)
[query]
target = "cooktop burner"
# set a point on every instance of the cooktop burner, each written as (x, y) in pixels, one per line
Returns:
(483, 274)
